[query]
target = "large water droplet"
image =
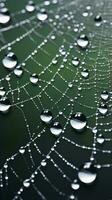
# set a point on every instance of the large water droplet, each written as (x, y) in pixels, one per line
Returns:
(75, 61)
(18, 71)
(2, 91)
(4, 105)
(56, 128)
(4, 16)
(30, 7)
(87, 173)
(103, 109)
(46, 116)
(85, 73)
(34, 79)
(42, 16)
(10, 61)
(83, 41)
(78, 121)
(105, 95)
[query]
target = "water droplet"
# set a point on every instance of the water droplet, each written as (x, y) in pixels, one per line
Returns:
(83, 41)
(26, 183)
(75, 185)
(4, 105)
(22, 150)
(85, 73)
(30, 7)
(34, 79)
(78, 121)
(100, 139)
(75, 61)
(10, 61)
(87, 173)
(98, 20)
(2, 91)
(105, 95)
(4, 16)
(18, 71)
(46, 116)
(42, 16)
(56, 128)
(43, 163)
(103, 109)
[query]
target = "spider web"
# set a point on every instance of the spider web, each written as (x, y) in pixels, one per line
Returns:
(29, 152)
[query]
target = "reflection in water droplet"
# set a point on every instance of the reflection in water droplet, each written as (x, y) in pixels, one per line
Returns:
(18, 71)
(87, 173)
(10, 61)
(100, 139)
(105, 95)
(30, 7)
(78, 121)
(4, 16)
(83, 41)
(42, 16)
(103, 109)
(34, 79)
(4, 105)
(2, 91)
(26, 183)
(46, 116)
(85, 73)
(56, 129)
(75, 61)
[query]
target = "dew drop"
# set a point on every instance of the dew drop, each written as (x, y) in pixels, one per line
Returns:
(18, 71)
(100, 139)
(30, 7)
(42, 16)
(22, 150)
(34, 79)
(4, 16)
(2, 91)
(75, 185)
(75, 61)
(105, 95)
(98, 20)
(10, 61)
(56, 128)
(4, 105)
(46, 116)
(87, 173)
(83, 41)
(85, 73)
(78, 121)
(26, 183)
(103, 109)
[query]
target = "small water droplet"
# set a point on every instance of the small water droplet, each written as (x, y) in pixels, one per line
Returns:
(103, 109)
(2, 91)
(98, 20)
(83, 41)
(85, 73)
(10, 61)
(34, 79)
(4, 16)
(87, 173)
(22, 150)
(46, 116)
(42, 16)
(75, 61)
(26, 183)
(56, 128)
(4, 105)
(105, 95)
(30, 7)
(100, 139)
(75, 185)
(18, 71)
(78, 121)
